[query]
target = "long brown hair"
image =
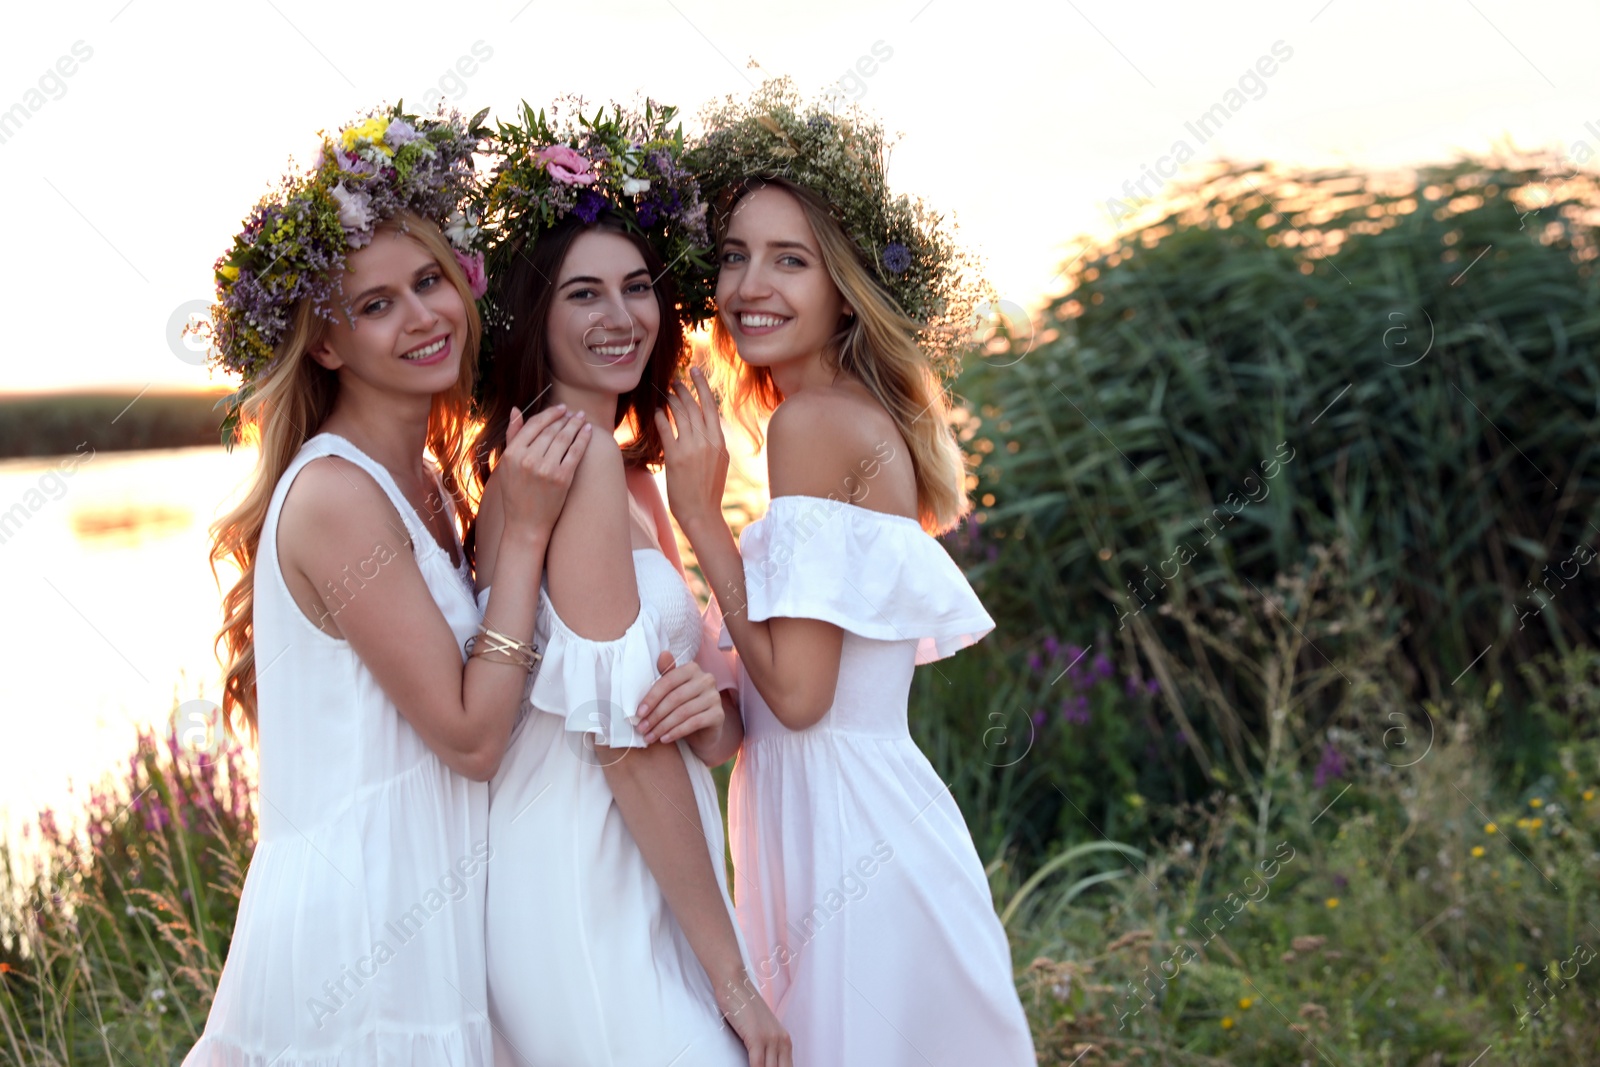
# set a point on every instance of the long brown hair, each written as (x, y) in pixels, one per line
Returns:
(288, 406)
(519, 374)
(877, 346)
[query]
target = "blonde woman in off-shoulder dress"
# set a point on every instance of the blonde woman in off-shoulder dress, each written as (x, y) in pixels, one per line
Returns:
(862, 898)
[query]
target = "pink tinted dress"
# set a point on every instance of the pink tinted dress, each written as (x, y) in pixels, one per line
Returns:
(862, 899)
(359, 936)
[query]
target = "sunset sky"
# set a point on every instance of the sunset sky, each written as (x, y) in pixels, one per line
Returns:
(136, 135)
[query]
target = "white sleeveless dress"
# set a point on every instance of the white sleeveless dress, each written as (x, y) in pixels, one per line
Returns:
(587, 965)
(859, 890)
(359, 937)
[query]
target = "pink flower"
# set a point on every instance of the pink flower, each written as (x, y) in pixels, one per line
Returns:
(472, 266)
(565, 165)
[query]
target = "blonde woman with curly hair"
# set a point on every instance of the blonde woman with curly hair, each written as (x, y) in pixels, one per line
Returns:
(360, 931)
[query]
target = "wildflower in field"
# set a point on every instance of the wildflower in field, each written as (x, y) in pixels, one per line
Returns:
(1332, 902)
(1536, 802)
(1330, 767)
(1588, 794)
(1490, 828)
(1244, 1003)
(1477, 850)
(1227, 1022)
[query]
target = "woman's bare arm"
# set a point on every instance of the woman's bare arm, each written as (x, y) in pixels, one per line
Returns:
(339, 534)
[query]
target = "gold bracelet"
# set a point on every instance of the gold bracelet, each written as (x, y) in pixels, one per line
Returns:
(521, 653)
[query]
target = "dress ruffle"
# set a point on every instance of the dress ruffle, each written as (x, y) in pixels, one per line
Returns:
(876, 575)
(595, 686)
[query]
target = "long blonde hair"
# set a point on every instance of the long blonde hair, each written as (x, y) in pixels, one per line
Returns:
(877, 346)
(288, 405)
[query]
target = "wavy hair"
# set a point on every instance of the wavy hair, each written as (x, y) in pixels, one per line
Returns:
(877, 346)
(519, 373)
(288, 404)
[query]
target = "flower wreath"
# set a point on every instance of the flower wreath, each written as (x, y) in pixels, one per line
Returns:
(631, 162)
(842, 158)
(294, 242)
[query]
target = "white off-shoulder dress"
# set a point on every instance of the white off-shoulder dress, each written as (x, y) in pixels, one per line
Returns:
(359, 936)
(859, 891)
(587, 965)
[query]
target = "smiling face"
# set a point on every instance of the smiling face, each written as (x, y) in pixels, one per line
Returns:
(774, 295)
(405, 325)
(604, 316)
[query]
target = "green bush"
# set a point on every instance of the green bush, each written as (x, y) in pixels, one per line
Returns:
(1249, 376)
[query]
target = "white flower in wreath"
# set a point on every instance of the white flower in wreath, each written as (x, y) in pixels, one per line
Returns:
(635, 186)
(462, 229)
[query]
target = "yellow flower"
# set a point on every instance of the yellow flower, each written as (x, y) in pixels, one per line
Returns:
(1477, 850)
(1490, 828)
(1522, 967)
(1535, 823)
(1227, 1022)
(1588, 794)
(1536, 802)
(1332, 902)
(230, 272)
(1244, 1003)
(370, 130)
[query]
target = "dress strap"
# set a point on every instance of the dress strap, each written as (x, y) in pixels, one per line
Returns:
(331, 444)
(642, 516)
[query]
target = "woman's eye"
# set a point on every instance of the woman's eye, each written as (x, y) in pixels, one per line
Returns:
(792, 261)
(428, 282)
(580, 294)
(374, 307)
(731, 257)
(641, 287)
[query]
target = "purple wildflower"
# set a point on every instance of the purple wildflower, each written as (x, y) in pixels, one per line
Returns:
(1075, 709)
(1039, 717)
(1330, 767)
(1132, 686)
(1052, 647)
(896, 258)
(1102, 666)
(589, 205)
(400, 132)
(648, 212)
(1035, 664)
(1152, 687)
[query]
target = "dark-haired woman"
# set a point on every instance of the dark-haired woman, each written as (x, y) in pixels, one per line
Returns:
(609, 925)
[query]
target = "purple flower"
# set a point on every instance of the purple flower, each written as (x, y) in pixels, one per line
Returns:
(1152, 687)
(400, 132)
(1330, 767)
(1051, 646)
(1102, 666)
(1035, 664)
(589, 205)
(1039, 717)
(1076, 710)
(648, 212)
(1340, 881)
(896, 258)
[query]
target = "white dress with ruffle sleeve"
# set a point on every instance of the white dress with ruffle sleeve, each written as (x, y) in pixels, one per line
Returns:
(859, 891)
(587, 964)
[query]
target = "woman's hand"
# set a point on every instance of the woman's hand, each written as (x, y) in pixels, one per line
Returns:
(765, 1040)
(696, 460)
(683, 703)
(537, 465)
